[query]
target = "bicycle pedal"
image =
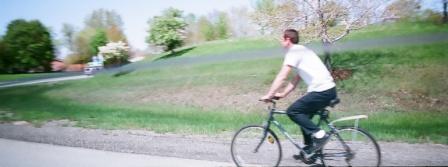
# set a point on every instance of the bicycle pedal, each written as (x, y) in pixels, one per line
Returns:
(297, 157)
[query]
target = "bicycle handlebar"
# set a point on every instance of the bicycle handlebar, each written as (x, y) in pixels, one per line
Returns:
(272, 100)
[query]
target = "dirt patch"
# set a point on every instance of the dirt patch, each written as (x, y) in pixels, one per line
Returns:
(220, 98)
(341, 74)
(411, 100)
(206, 97)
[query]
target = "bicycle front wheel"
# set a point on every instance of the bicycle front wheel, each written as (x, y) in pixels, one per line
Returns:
(351, 147)
(251, 147)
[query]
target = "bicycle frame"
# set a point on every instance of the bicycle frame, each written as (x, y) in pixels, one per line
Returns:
(322, 118)
(271, 120)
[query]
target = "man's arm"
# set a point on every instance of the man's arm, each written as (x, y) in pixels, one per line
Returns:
(279, 80)
(290, 87)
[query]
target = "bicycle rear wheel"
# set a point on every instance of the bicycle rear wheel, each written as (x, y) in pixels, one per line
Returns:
(362, 149)
(245, 143)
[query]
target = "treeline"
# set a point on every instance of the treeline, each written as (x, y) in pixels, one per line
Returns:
(28, 46)
(100, 27)
(173, 28)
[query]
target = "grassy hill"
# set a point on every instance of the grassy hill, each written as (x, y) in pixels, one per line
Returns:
(245, 44)
(402, 89)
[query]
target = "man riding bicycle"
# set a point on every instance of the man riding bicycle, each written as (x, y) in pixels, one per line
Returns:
(308, 67)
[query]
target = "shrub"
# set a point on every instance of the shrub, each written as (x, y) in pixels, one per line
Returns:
(114, 53)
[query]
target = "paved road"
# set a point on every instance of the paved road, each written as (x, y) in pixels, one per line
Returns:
(44, 80)
(206, 148)
(40, 77)
(25, 154)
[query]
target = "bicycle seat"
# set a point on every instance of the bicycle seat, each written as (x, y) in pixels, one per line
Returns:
(334, 102)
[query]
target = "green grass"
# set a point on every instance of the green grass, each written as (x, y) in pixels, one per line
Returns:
(32, 104)
(247, 44)
(408, 126)
(221, 46)
(402, 89)
(396, 29)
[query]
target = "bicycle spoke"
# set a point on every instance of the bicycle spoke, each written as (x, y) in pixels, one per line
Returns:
(246, 142)
(362, 149)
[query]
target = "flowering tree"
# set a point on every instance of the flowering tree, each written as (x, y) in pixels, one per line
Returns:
(115, 52)
(327, 20)
(167, 30)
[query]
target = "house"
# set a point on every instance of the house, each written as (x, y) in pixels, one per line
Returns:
(57, 65)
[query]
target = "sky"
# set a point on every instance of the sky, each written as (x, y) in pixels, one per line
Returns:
(134, 13)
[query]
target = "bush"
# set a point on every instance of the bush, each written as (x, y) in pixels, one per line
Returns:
(115, 53)
(28, 46)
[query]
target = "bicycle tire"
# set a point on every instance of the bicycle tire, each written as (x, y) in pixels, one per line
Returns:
(364, 148)
(247, 139)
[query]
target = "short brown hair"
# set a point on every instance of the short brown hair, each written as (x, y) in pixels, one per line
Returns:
(292, 34)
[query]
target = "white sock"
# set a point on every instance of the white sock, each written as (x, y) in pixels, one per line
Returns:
(319, 134)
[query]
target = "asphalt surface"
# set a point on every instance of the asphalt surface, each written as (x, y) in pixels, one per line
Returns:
(40, 78)
(205, 148)
(45, 80)
(26, 154)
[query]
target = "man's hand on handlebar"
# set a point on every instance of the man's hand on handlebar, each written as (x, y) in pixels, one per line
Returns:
(269, 98)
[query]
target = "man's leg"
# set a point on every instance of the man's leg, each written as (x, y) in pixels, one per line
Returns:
(300, 112)
(307, 140)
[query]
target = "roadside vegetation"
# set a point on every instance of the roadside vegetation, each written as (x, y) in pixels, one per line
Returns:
(404, 28)
(401, 89)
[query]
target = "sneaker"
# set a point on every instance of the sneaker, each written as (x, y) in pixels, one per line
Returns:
(300, 156)
(319, 142)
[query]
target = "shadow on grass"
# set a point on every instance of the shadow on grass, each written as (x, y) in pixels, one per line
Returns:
(176, 53)
(124, 72)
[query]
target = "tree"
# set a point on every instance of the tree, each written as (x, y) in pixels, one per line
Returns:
(103, 19)
(402, 9)
(263, 10)
(68, 32)
(240, 23)
(222, 26)
(29, 46)
(206, 29)
(115, 53)
(83, 51)
(99, 39)
(329, 20)
(167, 30)
(115, 34)
(108, 21)
(101, 26)
(192, 34)
(445, 13)
(2, 56)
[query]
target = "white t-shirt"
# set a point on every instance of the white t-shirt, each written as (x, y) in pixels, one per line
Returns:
(310, 68)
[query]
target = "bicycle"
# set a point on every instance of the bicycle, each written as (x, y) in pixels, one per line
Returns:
(347, 145)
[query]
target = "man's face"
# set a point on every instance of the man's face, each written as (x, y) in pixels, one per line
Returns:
(286, 42)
